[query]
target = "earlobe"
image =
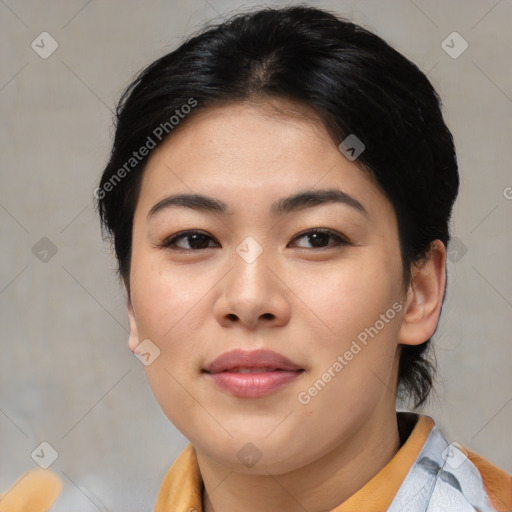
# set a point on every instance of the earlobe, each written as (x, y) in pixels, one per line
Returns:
(133, 340)
(424, 297)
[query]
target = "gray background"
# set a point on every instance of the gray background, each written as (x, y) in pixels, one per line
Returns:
(67, 376)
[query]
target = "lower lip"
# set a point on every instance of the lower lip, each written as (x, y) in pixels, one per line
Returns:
(253, 385)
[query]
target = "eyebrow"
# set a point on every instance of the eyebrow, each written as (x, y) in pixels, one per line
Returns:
(296, 202)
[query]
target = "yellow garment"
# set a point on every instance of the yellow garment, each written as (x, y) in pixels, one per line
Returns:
(34, 491)
(182, 486)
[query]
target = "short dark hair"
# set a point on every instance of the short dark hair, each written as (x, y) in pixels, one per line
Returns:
(354, 81)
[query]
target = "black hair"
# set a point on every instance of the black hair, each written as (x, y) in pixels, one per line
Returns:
(356, 83)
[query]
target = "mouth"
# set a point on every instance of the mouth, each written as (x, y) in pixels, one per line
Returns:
(252, 374)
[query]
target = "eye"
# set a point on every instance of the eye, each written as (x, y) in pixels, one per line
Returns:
(319, 238)
(196, 240)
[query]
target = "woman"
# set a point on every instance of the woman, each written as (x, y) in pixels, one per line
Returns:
(279, 195)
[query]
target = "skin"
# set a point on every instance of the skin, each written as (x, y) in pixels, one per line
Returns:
(304, 302)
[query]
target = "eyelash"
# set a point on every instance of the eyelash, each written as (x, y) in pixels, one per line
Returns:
(170, 243)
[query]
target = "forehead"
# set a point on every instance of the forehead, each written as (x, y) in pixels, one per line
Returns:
(264, 129)
(252, 152)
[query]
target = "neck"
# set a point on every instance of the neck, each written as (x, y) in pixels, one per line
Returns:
(319, 486)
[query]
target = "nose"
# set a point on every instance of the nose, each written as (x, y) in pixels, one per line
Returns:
(253, 296)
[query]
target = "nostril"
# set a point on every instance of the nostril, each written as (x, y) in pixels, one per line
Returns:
(231, 316)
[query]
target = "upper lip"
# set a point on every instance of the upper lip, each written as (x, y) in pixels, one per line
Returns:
(251, 359)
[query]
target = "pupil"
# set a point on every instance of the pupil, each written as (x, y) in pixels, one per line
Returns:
(196, 239)
(317, 239)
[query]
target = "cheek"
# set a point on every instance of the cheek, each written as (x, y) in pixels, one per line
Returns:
(170, 311)
(161, 300)
(356, 341)
(350, 297)
(353, 365)
(167, 311)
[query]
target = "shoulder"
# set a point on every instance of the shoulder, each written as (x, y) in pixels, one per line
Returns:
(36, 489)
(447, 476)
(497, 483)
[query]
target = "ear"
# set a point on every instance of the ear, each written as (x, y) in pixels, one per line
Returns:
(133, 340)
(424, 297)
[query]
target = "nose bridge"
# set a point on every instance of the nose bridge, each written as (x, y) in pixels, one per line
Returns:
(250, 272)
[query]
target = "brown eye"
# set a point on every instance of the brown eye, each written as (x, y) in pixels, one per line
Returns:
(319, 239)
(194, 241)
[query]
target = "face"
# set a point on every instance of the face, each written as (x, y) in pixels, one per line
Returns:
(317, 281)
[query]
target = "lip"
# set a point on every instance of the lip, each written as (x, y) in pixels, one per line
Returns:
(251, 359)
(276, 370)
